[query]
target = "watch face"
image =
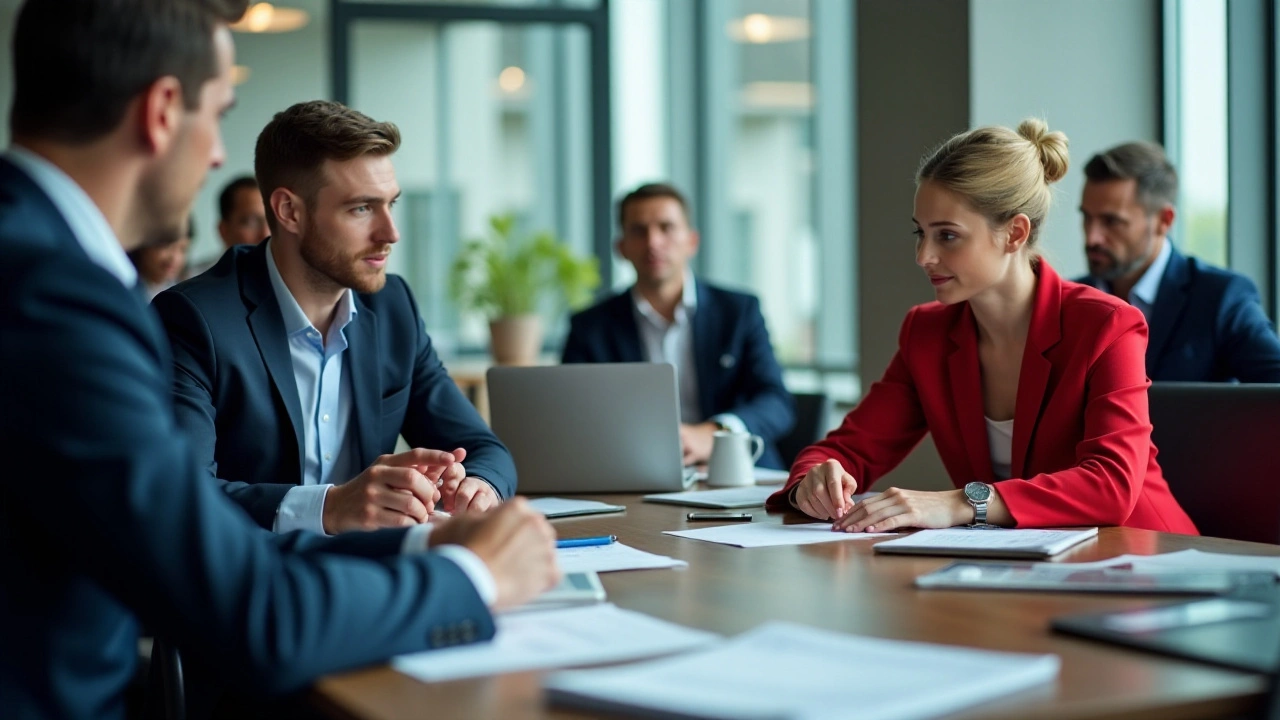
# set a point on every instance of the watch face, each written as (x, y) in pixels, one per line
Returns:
(978, 492)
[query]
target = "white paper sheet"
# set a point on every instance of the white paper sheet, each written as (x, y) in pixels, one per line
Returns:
(554, 507)
(766, 534)
(555, 638)
(782, 670)
(737, 497)
(612, 557)
(1199, 560)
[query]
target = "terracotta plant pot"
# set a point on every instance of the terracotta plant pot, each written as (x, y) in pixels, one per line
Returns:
(515, 340)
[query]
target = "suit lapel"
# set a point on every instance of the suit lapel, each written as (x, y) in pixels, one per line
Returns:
(966, 394)
(1033, 378)
(706, 350)
(267, 325)
(1171, 299)
(627, 338)
(366, 385)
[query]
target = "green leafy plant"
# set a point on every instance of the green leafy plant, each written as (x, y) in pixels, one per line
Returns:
(503, 275)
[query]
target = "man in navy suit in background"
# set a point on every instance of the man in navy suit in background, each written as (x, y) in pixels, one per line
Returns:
(716, 339)
(1206, 323)
(298, 361)
(107, 520)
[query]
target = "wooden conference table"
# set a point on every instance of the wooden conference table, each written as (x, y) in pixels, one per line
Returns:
(843, 586)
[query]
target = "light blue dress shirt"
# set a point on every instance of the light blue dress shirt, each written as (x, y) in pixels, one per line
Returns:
(85, 219)
(672, 342)
(1143, 294)
(100, 243)
(324, 393)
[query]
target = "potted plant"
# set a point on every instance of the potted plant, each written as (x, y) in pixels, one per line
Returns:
(508, 278)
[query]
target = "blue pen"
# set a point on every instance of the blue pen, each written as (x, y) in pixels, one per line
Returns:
(587, 541)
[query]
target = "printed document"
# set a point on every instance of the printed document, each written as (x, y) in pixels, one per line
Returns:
(783, 670)
(554, 639)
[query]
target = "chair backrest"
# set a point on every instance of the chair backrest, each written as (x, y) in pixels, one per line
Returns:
(811, 420)
(1216, 443)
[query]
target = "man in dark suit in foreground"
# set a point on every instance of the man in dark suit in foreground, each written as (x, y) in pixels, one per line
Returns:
(716, 339)
(1206, 322)
(298, 362)
(106, 518)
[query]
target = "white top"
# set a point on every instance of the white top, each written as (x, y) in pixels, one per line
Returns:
(1000, 440)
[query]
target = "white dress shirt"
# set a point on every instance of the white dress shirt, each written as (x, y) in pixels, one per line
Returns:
(1143, 294)
(1000, 444)
(672, 342)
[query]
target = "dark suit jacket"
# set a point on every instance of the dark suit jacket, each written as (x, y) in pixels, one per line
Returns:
(737, 372)
(107, 519)
(1082, 450)
(238, 401)
(1208, 326)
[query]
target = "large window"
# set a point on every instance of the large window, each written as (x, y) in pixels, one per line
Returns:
(1198, 142)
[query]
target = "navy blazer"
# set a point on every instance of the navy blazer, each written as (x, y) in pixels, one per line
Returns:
(237, 397)
(108, 520)
(737, 372)
(1208, 325)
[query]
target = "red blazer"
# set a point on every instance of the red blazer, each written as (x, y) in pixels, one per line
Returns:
(1082, 450)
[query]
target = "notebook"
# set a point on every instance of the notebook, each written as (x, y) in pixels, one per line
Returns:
(988, 542)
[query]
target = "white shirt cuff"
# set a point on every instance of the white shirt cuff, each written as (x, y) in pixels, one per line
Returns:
(302, 509)
(475, 570)
(731, 421)
(417, 539)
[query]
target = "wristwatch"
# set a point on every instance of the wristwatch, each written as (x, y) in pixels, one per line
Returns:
(978, 494)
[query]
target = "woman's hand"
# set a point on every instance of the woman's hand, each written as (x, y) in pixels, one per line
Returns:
(897, 508)
(826, 492)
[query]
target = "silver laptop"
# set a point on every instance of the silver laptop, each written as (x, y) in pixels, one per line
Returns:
(590, 428)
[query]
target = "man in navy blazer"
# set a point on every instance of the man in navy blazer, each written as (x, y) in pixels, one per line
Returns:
(1207, 324)
(716, 339)
(106, 518)
(299, 361)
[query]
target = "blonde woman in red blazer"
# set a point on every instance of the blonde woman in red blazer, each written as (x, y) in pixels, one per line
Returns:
(1008, 343)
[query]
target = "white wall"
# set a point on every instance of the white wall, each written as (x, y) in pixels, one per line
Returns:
(1090, 68)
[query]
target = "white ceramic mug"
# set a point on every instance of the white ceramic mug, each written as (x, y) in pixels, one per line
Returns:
(733, 459)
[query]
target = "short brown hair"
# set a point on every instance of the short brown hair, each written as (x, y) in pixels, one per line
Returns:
(77, 64)
(648, 192)
(1145, 162)
(293, 147)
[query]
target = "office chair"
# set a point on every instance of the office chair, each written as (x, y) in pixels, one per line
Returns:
(811, 424)
(165, 694)
(1216, 444)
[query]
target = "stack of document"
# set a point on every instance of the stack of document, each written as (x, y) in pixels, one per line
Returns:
(988, 542)
(762, 476)
(782, 670)
(555, 639)
(1066, 577)
(768, 534)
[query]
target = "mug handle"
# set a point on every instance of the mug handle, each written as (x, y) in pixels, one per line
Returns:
(758, 443)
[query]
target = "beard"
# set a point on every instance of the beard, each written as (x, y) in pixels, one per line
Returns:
(334, 269)
(165, 214)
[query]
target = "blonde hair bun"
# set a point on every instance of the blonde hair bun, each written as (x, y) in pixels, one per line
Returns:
(1052, 147)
